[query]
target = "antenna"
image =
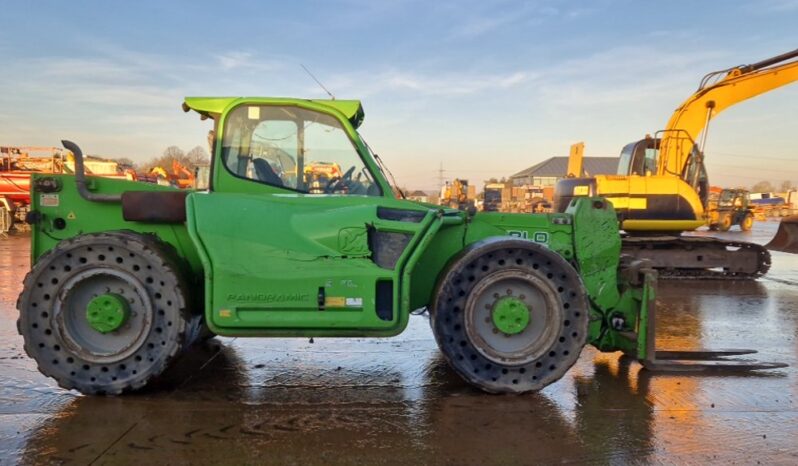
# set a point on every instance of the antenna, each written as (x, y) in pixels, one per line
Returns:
(317, 81)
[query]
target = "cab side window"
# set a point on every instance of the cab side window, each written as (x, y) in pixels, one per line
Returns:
(296, 149)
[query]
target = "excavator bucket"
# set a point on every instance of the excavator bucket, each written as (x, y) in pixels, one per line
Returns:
(786, 239)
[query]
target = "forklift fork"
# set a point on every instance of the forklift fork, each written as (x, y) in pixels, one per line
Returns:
(701, 360)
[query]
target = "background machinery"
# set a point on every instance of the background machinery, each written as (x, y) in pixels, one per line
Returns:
(458, 194)
(18, 163)
(492, 201)
(767, 205)
(506, 197)
(184, 178)
(662, 188)
(126, 275)
(180, 176)
(728, 208)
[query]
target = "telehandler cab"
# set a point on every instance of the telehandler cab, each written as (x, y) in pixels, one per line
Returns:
(300, 235)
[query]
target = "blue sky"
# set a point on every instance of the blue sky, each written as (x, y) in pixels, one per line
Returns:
(485, 88)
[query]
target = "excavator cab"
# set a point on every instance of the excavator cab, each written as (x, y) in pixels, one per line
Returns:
(639, 157)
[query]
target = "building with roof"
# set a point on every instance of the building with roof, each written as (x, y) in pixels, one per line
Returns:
(419, 196)
(547, 172)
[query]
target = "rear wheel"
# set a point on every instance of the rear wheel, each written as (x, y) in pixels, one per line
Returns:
(510, 316)
(747, 223)
(105, 313)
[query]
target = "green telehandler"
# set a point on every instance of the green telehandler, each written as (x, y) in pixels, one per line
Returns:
(299, 234)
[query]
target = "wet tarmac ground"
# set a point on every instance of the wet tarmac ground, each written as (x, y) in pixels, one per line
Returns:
(394, 401)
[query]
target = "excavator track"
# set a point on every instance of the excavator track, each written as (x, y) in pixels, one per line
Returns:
(699, 257)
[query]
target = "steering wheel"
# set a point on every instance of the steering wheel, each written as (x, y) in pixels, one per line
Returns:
(343, 181)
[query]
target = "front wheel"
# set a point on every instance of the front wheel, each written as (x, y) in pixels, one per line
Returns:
(105, 313)
(725, 222)
(510, 316)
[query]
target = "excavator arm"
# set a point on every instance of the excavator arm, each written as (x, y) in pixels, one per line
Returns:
(718, 91)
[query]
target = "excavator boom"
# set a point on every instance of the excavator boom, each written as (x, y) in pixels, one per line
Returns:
(734, 85)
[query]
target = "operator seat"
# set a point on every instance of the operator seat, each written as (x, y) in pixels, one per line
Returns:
(265, 172)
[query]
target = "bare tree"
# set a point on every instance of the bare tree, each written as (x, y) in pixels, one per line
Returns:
(173, 152)
(170, 154)
(786, 186)
(197, 156)
(762, 187)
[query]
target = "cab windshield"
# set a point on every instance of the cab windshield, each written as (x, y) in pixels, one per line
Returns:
(639, 158)
(294, 148)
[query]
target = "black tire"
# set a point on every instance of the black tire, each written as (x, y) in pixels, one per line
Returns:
(724, 222)
(467, 344)
(52, 306)
(747, 222)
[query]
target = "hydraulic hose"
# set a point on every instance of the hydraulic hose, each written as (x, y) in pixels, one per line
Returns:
(80, 177)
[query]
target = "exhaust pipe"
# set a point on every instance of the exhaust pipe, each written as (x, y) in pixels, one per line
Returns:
(80, 177)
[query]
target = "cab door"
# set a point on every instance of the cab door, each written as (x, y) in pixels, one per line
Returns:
(301, 240)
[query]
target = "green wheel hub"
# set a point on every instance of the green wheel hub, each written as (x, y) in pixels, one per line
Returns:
(510, 315)
(107, 312)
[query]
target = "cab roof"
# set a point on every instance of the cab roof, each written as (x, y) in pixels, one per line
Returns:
(213, 106)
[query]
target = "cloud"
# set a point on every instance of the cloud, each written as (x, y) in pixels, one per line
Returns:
(231, 60)
(120, 101)
(483, 17)
(480, 25)
(580, 12)
(393, 81)
(75, 81)
(116, 77)
(625, 75)
(774, 5)
(237, 59)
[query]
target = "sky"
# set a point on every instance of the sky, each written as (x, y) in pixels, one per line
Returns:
(480, 88)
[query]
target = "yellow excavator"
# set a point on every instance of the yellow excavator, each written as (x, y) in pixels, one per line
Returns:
(661, 188)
